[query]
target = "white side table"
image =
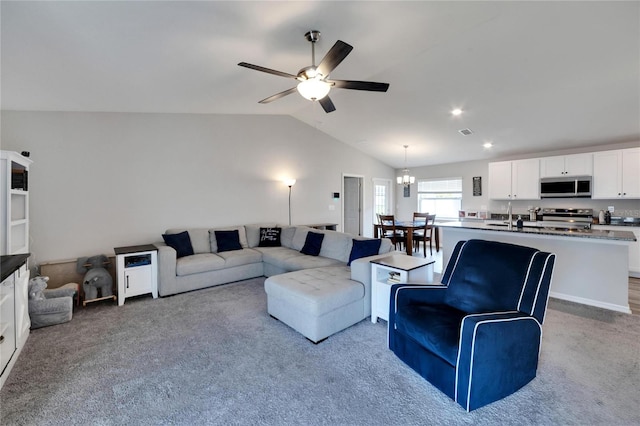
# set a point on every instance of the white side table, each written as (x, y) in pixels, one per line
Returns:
(137, 269)
(396, 269)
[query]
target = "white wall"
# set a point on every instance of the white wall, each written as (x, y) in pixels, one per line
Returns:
(467, 170)
(102, 180)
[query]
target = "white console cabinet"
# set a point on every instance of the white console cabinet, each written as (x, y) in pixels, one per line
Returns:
(14, 312)
(396, 269)
(137, 271)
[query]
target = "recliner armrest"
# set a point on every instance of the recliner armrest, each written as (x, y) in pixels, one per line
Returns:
(497, 355)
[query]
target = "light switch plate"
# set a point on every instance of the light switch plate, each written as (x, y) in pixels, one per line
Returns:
(611, 209)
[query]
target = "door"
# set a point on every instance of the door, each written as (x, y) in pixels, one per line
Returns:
(352, 204)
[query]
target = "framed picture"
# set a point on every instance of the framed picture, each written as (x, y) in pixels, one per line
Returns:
(407, 191)
(477, 186)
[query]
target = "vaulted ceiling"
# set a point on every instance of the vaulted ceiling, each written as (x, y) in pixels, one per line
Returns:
(529, 76)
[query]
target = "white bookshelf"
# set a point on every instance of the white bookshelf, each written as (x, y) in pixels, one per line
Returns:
(15, 202)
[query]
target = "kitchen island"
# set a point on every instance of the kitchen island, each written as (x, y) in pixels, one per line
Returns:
(591, 265)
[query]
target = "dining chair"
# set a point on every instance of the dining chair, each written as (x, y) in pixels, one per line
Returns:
(425, 234)
(388, 225)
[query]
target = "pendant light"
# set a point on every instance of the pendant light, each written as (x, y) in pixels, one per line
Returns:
(405, 179)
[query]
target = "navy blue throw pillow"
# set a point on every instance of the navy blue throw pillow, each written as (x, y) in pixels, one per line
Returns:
(180, 242)
(364, 248)
(312, 244)
(270, 237)
(228, 240)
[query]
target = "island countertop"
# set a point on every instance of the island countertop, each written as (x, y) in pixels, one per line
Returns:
(11, 263)
(615, 235)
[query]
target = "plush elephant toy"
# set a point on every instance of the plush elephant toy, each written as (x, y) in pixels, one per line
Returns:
(36, 287)
(96, 277)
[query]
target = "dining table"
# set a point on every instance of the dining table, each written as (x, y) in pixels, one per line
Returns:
(408, 226)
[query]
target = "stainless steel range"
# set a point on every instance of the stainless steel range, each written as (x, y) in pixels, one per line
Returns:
(566, 219)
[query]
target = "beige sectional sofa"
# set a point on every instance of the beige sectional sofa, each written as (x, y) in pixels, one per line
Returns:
(316, 295)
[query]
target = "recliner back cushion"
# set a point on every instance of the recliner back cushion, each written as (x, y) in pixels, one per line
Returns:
(488, 276)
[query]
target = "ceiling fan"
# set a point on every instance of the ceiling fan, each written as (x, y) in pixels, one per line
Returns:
(314, 83)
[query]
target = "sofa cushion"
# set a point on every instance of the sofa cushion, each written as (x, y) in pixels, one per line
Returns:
(227, 240)
(202, 262)
(364, 248)
(199, 238)
(277, 255)
(316, 291)
(270, 237)
(335, 245)
(253, 232)
(312, 244)
(240, 257)
(299, 237)
(286, 236)
(180, 242)
(296, 263)
(213, 244)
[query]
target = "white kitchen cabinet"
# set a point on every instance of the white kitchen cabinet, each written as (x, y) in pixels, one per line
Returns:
(634, 247)
(14, 317)
(14, 172)
(515, 180)
(567, 165)
(616, 174)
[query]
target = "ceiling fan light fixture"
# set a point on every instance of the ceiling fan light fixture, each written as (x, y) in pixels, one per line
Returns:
(313, 89)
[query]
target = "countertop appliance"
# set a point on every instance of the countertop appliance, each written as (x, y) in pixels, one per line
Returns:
(567, 218)
(566, 187)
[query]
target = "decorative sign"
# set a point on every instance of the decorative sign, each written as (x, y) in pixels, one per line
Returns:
(407, 191)
(477, 186)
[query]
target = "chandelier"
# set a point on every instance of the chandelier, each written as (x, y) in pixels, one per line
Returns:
(405, 179)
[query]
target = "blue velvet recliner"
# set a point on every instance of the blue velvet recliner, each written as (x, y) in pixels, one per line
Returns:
(477, 337)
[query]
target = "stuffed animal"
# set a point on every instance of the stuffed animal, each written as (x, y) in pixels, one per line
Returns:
(96, 277)
(36, 288)
(49, 307)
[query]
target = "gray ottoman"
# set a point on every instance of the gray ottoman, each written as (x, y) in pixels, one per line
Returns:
(317, 302)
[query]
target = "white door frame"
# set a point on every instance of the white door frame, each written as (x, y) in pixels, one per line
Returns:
(390, 196)
(361, 194)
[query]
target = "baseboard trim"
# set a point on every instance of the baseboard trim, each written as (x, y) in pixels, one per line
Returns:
(610, 306)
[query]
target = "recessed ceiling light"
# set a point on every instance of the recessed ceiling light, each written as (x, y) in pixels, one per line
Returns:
(456, 111)
(487, 144)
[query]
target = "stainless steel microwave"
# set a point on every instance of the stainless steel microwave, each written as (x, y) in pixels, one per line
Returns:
(566, 187)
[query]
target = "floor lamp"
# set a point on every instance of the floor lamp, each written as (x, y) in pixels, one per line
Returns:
(290, 183)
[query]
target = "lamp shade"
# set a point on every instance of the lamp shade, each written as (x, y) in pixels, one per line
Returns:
(289, 182)
(313, 89)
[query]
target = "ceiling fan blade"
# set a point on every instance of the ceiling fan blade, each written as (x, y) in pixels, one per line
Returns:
(360, 85)
(332, 59)
(327, 105)
(278, 96)
(267, 70)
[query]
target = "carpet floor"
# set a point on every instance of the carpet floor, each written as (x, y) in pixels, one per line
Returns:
(214, 356)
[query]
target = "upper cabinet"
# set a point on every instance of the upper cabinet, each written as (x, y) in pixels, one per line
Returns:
(14, 180)
(616, 174)
(515, 180)
(567, 165)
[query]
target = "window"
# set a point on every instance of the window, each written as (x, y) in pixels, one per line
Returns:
(442, 197)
